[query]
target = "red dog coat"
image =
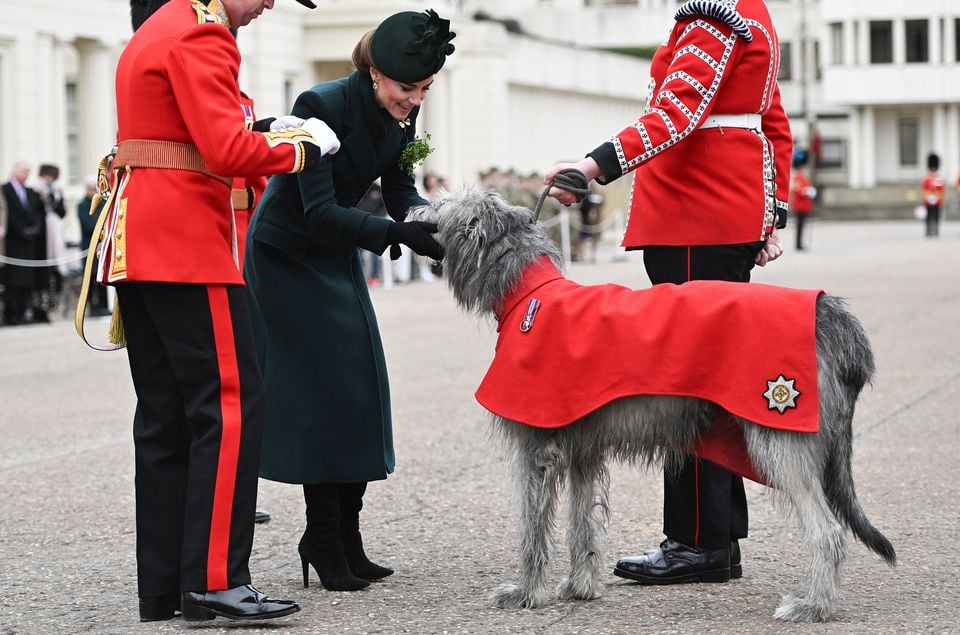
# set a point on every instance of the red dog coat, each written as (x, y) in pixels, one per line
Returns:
(565, 350)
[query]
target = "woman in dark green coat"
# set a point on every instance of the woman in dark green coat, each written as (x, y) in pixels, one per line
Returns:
(328, 401)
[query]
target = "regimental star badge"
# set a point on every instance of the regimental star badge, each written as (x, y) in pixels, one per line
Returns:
(781, 394)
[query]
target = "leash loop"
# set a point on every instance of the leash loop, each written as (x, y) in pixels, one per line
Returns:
(569, 179)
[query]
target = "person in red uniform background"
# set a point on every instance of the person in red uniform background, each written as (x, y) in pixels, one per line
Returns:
(169, 246)
(933, 187)
(711, 164)
(802, 194)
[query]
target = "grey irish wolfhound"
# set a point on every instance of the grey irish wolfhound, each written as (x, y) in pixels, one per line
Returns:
(488, 243)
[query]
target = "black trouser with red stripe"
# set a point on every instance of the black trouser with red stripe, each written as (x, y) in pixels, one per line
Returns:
(196, 431)
(704, 505)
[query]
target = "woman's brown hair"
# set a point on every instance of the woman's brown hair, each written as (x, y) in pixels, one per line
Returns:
(361, 58)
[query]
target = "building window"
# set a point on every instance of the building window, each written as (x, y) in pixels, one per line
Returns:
(817, 65)
(881, 42)
(917, 40)
(74, 171)
(786, 62)
(833, 153)
(909, 142)
(836, 44)
(956, 39)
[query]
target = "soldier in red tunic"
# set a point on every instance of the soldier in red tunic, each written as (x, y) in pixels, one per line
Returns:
(169, 246)
(711, 164)
(933, 188)
(802, 194)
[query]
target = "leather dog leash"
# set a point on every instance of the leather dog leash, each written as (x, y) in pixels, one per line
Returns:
(571, 180)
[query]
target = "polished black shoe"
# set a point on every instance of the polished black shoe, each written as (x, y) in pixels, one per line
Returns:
(736, 570)
(156, 608)
(676, 563)
(260, 516)
(239, 603)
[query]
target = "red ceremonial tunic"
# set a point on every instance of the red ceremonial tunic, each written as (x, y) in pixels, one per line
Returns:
(800, 199)
(586, 346)
(933, 187)
(709, 186)
(177, 81)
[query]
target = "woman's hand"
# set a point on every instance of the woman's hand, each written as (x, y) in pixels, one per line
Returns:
(417, 235)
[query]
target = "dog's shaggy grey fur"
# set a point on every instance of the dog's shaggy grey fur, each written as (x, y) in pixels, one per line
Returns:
(487, 244)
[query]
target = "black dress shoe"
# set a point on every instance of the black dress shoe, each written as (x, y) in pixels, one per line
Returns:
(239, 603)
(676, 563)
(260, 517)
(736, 570)
(156, 608)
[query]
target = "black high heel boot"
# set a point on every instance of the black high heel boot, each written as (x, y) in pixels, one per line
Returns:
(351, 502)
(320, 545)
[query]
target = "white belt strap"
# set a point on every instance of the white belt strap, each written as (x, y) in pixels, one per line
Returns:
(748, 120)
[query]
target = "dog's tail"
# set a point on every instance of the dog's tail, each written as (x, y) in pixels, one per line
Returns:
(842, 342)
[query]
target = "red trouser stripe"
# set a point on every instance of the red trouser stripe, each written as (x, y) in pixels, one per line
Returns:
(219, 547)
(696, 459)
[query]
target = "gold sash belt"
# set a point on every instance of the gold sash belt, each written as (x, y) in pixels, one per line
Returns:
(171, 155)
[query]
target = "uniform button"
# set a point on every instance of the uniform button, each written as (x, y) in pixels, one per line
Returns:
(119, 233)
(118, 255)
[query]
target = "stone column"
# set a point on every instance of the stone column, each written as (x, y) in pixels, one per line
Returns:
(934, 32)
(854, 149)
(96, 104)
(951, 158)
(899, 41)
(869, 146)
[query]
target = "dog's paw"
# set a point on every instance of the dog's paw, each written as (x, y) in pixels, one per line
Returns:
(794, 608)
(570, 589)
(511, 596)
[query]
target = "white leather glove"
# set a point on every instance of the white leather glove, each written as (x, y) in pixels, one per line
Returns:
(323, 137)
(286, 122)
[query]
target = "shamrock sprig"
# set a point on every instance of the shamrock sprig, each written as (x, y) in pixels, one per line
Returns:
(415, 153)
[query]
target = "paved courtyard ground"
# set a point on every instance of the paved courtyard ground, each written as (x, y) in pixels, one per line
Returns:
(445, 519)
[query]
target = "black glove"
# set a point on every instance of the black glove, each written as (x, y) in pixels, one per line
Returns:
(263, 125)
(417, 236)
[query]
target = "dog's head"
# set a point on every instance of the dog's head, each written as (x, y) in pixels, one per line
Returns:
(487, 243)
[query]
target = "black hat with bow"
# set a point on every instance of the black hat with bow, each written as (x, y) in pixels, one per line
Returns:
(409, 46)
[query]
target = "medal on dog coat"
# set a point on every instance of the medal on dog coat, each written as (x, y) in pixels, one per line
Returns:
(565, 350)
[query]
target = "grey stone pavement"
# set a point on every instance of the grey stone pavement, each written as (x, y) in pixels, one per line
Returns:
(445, 519)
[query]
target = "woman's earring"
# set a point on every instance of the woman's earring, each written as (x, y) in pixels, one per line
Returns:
(375, 85)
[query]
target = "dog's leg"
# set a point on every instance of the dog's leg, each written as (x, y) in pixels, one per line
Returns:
(538, 471)
(790, 461)
(586, 529)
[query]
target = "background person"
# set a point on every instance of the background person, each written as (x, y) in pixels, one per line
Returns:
(25, 240)
(711, 164)
(50, 279)
(932, 190)
(88, 221)
(328, 425)
(802, 194)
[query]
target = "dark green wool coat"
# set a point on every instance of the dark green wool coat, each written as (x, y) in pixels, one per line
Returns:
(328, 400)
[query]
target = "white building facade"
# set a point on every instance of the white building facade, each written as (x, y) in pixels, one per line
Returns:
(873, 85)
